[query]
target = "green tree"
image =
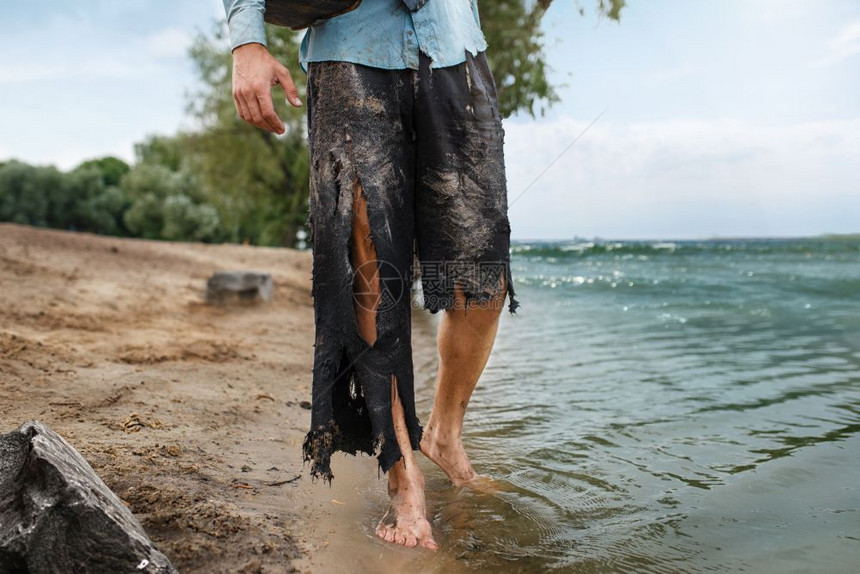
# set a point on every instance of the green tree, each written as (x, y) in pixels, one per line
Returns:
(97, 203)
(46, 197)
(258, 181)
(104, 213)
(151, 201)
(111, 168)
(14, 177)
(166, 204)
(167, 151)
(516, 53)
(33, 195)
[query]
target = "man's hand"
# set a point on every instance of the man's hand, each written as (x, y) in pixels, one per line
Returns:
(255, 71)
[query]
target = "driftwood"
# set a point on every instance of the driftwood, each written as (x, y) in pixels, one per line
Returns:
(57, 516)
(239, 287)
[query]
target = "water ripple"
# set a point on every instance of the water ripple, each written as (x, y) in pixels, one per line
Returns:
(692, 407)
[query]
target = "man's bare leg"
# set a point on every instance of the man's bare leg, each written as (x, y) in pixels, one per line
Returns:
(465, 340)
(406, 520)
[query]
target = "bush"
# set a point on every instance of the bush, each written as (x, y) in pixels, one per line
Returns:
(103, 213)
(167, 204)
(32, 195)
(111, 169)
(185, 220)
(105, 196)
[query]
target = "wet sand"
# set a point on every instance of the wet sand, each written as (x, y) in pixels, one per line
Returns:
(192, 414)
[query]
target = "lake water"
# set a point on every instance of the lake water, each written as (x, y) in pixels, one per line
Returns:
(663, 407)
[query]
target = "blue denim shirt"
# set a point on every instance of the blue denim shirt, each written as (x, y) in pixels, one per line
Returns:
(379, 33)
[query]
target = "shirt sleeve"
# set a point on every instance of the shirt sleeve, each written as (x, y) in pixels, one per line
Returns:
(474, 4)
(245, 22)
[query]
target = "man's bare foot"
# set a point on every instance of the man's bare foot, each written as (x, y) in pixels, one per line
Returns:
(406, 521)
(448, 454)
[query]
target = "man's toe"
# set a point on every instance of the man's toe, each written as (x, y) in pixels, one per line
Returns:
(384, 532)
(429, 544)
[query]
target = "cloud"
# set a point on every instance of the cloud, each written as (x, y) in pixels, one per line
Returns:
(72, 50)
(168, 43)
(844, 45)
(56, 67)
(772, 12)
(683, 178)
(106, 41)
(87, 79)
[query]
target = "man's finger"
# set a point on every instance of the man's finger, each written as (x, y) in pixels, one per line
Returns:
(241, 108)
(288, 86)
(249, 96)
(268, 110)
(247, 114)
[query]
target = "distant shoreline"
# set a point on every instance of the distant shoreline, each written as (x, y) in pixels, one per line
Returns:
(603, 240)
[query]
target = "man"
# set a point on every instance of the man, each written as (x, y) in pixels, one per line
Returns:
(406, 149)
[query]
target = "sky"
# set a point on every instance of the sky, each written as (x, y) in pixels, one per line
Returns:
(715, 118)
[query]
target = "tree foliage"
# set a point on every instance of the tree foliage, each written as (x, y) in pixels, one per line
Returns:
(32, 195)
(258, 181)
(150, 200)
(111, 168)
(168, 204)
(167, 151)
(516, 53)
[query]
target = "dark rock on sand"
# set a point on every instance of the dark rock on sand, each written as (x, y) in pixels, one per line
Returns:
(239, 286)
(57, 516)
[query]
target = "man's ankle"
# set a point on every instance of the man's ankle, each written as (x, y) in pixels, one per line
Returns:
(402, 477)
(443, 439)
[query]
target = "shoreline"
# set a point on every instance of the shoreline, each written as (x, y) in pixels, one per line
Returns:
(357, 498)
(191, 414)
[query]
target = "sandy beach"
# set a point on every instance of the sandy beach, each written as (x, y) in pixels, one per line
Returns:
(193, 414)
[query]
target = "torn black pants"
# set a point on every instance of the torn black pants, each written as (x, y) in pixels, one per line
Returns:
(425, 148)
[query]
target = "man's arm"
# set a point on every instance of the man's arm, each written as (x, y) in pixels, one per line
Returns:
(255, 71)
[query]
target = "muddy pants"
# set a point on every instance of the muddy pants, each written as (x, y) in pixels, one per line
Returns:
(424, 151)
